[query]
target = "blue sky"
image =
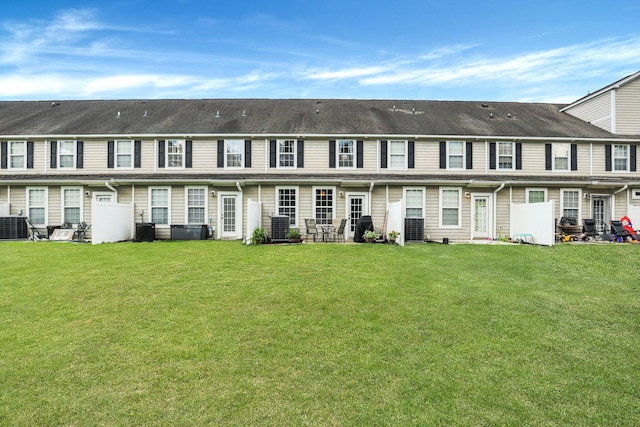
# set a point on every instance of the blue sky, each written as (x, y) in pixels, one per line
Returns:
(544, 51)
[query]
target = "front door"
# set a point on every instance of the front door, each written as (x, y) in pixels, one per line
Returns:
(481, 218)
(230, 220)
(357, 205)
(601, 211)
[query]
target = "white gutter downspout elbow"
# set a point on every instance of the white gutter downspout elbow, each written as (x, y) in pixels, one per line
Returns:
(621, 189)
(110, 187)
(238, 186)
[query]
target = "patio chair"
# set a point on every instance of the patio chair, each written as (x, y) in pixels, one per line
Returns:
(312, 228)
(619, 233)
(337, 234)
(589, 230)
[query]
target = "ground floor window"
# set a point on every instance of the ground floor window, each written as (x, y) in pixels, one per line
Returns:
(159, 205)
(196, 205)
(287, 202)
(37, 205)
(323, 205)
(570, 200)
(414, 202)
(450, 207)
(536, 195)
(72, 205)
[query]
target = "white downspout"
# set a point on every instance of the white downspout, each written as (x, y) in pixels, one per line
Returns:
(110, 187)
(613, 201)
(370, 195)
(495, 208)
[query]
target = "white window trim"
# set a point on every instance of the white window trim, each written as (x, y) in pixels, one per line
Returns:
(440, 207)
(553, 157)
(62, 206)
(613, 158)
(168, 207)
(313, 200)
(74, 153)
(24, 155)
(527, 190)
(513, 156)
(424, 198)
(186, 202)
(183, 143)
(405, 166)
(297, 204)
(131, 153)
(241, 143)
(295, 154)
(562, 191)
(46, 204)
(464, 156)
(354, 154)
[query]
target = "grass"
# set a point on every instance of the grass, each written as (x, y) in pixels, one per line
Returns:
(215, 333)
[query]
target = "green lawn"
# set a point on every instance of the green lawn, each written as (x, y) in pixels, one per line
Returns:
(216, 333)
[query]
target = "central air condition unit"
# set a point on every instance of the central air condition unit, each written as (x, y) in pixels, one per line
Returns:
(414, 229)
(279, 228)
(13, 227)
(189, 232)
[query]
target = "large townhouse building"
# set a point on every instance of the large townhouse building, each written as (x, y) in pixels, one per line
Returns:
(457, 167)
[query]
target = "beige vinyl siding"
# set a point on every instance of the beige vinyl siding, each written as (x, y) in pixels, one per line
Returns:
(427, 158)
(627, 108)
(596, 111)
(533, 157)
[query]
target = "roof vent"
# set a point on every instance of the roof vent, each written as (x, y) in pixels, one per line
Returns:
(485, 105)
(491, 115)
(217, 114)
(145, 114)
(244, 113)
(509, 115)
(317, 111)
(413, 111)
(118, 115)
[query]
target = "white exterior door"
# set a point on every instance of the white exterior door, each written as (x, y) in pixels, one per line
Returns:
(357, 205)
(601, 211)
(481, 216)
(230, 218)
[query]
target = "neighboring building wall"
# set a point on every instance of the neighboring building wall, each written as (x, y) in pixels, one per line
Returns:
(596, 111)
(628, 109)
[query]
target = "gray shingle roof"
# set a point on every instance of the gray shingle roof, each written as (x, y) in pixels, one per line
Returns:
(291, 117)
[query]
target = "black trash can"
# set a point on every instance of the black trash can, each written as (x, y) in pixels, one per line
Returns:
(145, 232)
(365, 223)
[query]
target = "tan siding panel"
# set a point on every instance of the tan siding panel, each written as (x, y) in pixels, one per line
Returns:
(596, 111)
(628, 108)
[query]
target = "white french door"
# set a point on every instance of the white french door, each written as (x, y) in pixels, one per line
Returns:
(481, 216)
(357, 205)
(230, 215)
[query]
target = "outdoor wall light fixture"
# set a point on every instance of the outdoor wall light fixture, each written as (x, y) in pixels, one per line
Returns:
(341, 193)
(213, 193)
(87, 193)
(467, 194)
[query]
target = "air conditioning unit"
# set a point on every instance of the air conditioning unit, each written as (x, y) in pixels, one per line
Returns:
(13, 227)
(414, 229)
(279, 228)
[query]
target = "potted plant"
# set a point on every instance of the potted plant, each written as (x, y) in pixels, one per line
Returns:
(259, 236)
(393, 236)
(370, 236)
(294, 235)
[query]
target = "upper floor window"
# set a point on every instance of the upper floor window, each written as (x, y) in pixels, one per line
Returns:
(175, 153)
(414, 202)
(455, 154)
(506, 155)
(621, 158)
(287, 153)
(397, 154)
(124, 154)
(66, 154)
(234, 153)
(346, 153)
(561, 154)
(17, 155)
